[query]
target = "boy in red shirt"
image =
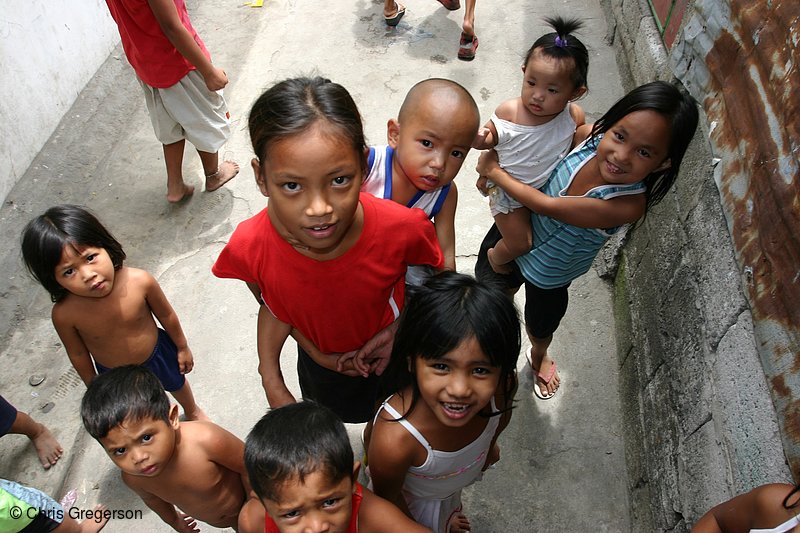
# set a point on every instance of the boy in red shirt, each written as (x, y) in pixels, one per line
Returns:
(182, 87)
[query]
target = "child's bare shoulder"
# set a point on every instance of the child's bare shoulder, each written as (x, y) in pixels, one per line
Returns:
(390, 437)
(508, 109)
(62, 310)
(376, 515)
(207, 436)
(136, 276)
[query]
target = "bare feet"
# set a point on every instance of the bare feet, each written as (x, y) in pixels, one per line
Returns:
(499, 268)
(225, 173)
(179, 195)
(47, 447)
(459, 524)
(197, 414)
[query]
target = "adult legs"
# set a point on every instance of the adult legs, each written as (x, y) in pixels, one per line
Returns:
(468, 26)
(468, 44)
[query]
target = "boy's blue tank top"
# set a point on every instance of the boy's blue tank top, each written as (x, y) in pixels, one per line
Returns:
(562, 252)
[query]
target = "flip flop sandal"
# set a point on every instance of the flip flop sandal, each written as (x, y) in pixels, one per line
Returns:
(467, 47)
(452, 5)
(545, 378)
(394, 20)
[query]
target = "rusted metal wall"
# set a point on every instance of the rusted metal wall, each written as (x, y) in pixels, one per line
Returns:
(740, 60)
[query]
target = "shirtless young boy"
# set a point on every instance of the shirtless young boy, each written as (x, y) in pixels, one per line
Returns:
(103, 310)
(183, 471)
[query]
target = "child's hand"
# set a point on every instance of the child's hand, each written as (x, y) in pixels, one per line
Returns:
(345, 364)
(487, 162)
(375, 354)
(185, 360)
(186, 524)
(216, 79)
(483, 185)
(480, 138)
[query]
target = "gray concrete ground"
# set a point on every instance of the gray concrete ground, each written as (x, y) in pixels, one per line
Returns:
(562, 466)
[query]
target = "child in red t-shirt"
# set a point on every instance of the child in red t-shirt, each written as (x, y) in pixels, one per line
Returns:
(324, 258)
(182, 88)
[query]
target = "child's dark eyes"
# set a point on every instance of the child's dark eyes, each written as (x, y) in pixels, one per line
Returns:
(147, 438)
(341, 180)
(291, 514)
(291, 186)
(330, 502)
(644, 153)
(618, 136)
(426, 143)
(458, 153)
(91, 257)
(118, 451)
(441, 367)
(481, 371)
(68, 272)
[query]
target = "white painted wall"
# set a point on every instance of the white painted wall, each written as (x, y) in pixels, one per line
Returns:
(48, 52)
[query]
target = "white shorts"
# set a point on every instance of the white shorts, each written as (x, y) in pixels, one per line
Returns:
(188, 110)
(500, 202)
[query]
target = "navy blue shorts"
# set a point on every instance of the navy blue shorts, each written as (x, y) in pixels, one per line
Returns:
(8, 413)
(163, 362)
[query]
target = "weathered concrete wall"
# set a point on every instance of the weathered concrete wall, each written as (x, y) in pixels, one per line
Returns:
(702, 423)
(48, 51)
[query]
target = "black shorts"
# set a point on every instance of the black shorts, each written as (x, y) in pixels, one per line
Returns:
(544, 308)
(352, 398)
(8, 415)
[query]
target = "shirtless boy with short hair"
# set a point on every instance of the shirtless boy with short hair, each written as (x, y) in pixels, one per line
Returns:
(196, 467)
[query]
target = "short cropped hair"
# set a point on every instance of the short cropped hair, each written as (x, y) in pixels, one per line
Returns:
(443, 87)
(129, 392)
(296, 440)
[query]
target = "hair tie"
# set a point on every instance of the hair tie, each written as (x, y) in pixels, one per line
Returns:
(561, 43)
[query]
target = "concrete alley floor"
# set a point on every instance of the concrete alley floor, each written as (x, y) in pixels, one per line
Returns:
(562, 466)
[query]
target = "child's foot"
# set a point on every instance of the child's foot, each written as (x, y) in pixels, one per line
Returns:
(500, 268)
(546, 378)
(181, 194)
(94, 525)
(459, 524)
(197, 414)
(47, 448)
(225, 173)
(467, 47)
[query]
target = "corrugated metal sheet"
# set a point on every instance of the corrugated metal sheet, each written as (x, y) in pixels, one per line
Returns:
(740, 60)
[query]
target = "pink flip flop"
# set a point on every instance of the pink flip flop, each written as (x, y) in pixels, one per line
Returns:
(537, 376)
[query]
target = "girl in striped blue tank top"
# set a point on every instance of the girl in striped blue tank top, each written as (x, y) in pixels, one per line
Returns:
(626, 165)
